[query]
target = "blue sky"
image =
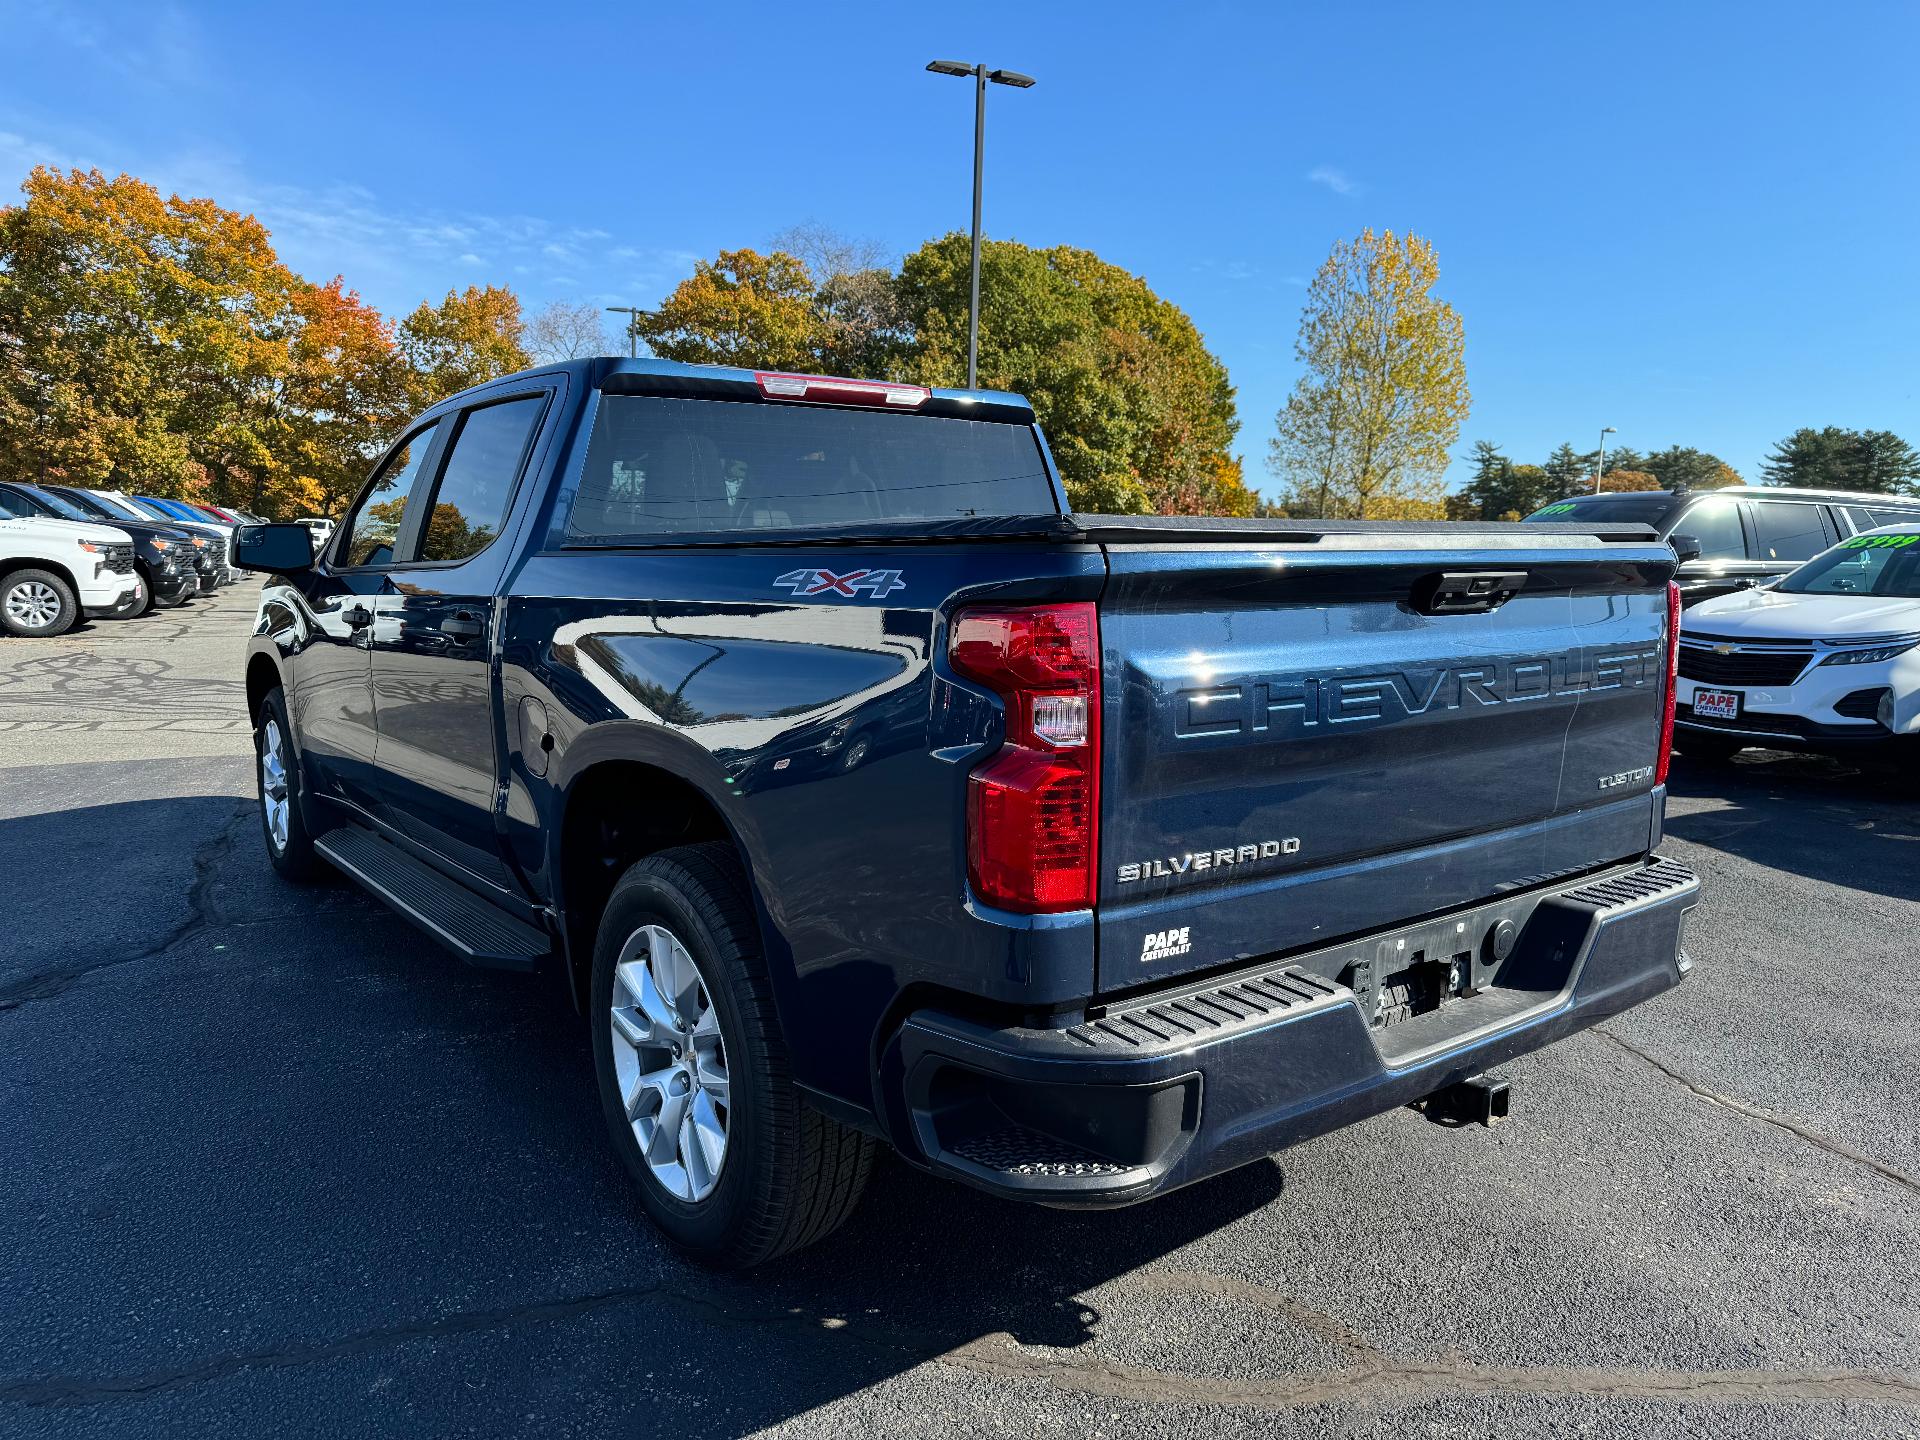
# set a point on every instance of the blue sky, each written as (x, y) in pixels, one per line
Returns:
(1698, 223)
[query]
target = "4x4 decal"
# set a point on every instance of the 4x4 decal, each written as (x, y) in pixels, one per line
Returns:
(877, 583)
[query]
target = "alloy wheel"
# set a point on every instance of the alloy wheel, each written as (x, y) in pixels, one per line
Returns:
(273, 783)
(33, 604)
(671, 1062)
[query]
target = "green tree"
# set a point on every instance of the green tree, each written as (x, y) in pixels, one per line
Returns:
(1875, 461)
(1384, 393)
(1500, 489)
(1564, 470)
(1681, 467)
(741, 308)
(1615, 480)
(1139, 413)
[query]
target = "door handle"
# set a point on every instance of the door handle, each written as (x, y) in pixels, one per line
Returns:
(462, 626)
(357, 617)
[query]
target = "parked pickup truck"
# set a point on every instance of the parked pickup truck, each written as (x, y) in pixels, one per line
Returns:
(54, 572)
(801, 729)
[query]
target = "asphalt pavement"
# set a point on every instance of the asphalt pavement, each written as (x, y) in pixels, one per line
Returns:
(273, 1163)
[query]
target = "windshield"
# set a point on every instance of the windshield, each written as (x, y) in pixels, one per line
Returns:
(1631, 509)
(153, 509)
(660, 465)
(59, 504)
(1887, 566)
(93, 508)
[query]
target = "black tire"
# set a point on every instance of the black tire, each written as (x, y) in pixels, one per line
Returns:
(1707, 749)
(790, 1175)
(293, 856)
(25, 593)
(140, 603)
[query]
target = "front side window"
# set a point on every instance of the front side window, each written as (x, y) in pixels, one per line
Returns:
(92, 506)
(476, 483)
(1716, 525)
(660, 465)
(1788, 532)
(382, 507)
(61, 505)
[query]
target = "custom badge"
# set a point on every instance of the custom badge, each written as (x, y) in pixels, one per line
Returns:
(850, 586)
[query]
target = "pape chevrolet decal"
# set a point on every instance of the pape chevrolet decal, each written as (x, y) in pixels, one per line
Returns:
(850, 586)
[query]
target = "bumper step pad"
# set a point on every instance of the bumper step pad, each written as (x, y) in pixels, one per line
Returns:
(1163, 1089)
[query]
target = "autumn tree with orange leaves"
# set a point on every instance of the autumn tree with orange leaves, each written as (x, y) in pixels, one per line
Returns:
(160, 343)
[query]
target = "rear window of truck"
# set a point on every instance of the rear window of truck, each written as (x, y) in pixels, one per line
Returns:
(660, 465)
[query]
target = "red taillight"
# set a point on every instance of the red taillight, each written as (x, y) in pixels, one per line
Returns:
(1673, 684)
(1033, 810)
(830, 389)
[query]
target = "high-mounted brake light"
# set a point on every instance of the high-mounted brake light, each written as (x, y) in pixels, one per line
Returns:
(1673, 684)
(831, 390)
(1033, 809)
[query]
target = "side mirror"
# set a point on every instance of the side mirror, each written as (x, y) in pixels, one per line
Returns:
(277, 549)
(1685, 547)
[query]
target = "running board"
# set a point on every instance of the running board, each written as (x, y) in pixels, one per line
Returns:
(481, 933)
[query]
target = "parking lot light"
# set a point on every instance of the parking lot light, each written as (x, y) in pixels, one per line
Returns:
(981, 76)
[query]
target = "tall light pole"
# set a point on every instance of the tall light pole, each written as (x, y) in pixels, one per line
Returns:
(633, 314)
(1601, 468)
(981, 75)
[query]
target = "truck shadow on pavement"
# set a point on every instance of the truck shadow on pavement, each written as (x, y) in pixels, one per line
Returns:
(390, 1169)
(1853, 827)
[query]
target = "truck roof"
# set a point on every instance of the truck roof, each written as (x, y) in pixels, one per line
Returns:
(621, 374)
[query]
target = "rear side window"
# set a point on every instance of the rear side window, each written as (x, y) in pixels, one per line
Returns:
(1877, 518)
(476, 482)
(375, 524)
(1788, 532)
(1716, 525)
(661, 465)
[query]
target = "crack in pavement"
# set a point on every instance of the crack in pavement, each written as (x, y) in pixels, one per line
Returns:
(1373, 1378)
(996, 1356)
(202, 914)
(1813, 1137)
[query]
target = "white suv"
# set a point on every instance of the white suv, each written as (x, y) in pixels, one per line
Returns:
(1827, 658)
(53, 571)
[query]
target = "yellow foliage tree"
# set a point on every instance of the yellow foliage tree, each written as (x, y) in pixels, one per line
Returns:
(741, 308)
(1384, 393)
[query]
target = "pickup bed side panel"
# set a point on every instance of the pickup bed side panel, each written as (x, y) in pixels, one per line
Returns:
(822, 724)
(1295, 752)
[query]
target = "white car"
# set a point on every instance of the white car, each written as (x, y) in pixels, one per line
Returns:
(1826, 658)
(53, 571)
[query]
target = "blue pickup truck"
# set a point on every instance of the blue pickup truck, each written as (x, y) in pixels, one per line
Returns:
(804, 733)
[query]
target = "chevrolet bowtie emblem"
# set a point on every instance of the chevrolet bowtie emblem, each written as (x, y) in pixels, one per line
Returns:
(1723, 649)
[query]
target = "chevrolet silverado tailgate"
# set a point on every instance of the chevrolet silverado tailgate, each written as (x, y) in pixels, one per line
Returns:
(1328, 734)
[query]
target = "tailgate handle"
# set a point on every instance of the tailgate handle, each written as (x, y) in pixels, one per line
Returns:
(1466, 592)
